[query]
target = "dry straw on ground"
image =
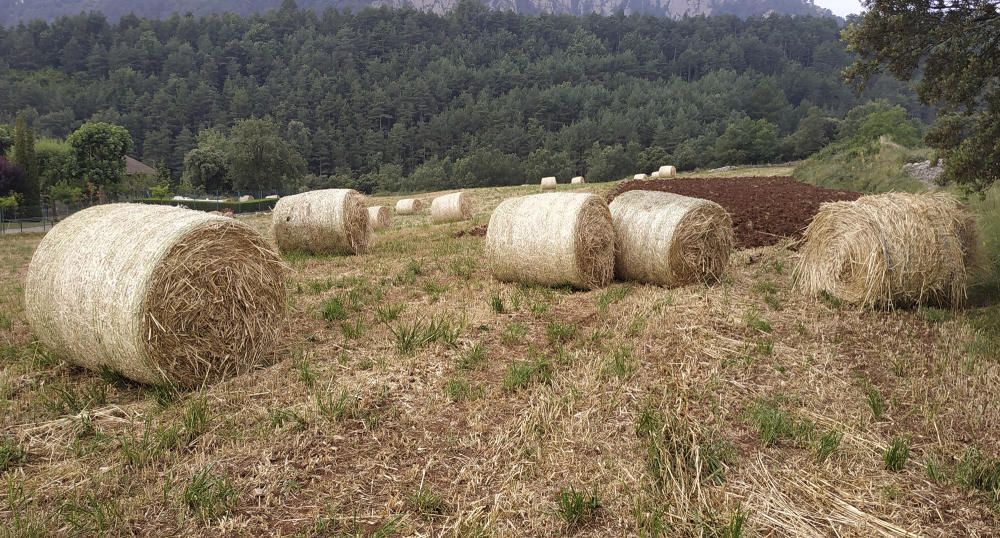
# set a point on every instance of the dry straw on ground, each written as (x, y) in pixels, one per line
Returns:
(639, 177)
(889, 250)
(158, 294)
(552, 239)
(578, 180)
(667, 171)
(451, 207)
(548, 183)
(330, 221)
(408, 206)
(378, 217)
(669, 239)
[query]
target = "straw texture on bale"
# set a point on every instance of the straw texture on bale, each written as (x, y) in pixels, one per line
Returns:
(669, 239)
(667, 171)
(639, 176)
(378, 217)
(552, 239)
(408, 206)
(329, 221)
(577, 180)
(158, 294)
(548, 183)
(889, 250)
(451, 208)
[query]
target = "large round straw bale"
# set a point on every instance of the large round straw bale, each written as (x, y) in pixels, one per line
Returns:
(552, 239)
(669, 239)
(889, 250)
(329, 221)
(378, 217)
(667, 171)
(577, 180)
(639, 177)
(158, 294)
(548, 183)
(451, 207)
(408, 206)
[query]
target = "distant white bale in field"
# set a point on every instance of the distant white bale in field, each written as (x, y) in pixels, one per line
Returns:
(639, 177)
(329, 221)
(655, 175)
(552, 239)
(180, 198)
(577, 180)
(246, 198)
(669, 239)
(548, 183)
(451, 207)
(378, 217)
(408, 206)
(158, 294)
(667, 171)
(272, 197)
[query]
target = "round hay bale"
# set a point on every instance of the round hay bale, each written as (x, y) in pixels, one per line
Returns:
(655, 175)
(330, 221)
(549, 183)
(451, 208)
(669, 239)
(158, 294)
(667, 171)
(639, 177)
(409, 206)
(889, 250)
(378, 217)
(578, 180)
(552, 239)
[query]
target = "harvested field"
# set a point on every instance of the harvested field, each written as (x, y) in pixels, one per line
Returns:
(413, 395)
(764, 209)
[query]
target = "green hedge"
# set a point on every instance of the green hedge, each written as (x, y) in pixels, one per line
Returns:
(252, 206)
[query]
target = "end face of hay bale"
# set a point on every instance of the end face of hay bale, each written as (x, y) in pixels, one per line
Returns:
(669, 239)
(329, 221)
(548, 183)
(409, 206)
(889, 250)
(159, 294)
(552, 239)
(578, 180)
(378, 217)
(451, 208)
(639, 177)
(667, 171)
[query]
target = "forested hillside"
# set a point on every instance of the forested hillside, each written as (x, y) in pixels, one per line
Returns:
(472, 96)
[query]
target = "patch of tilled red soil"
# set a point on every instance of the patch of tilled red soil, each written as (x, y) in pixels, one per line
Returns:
(764, 209)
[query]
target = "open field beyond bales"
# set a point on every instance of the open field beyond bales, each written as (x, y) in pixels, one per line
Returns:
(413, 395)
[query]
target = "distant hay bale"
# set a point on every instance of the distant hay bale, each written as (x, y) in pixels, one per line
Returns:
(409, 206)
(667, 171)
(329, 221)
(246, 198)
(378, 217)
(639, 177)
(889, 250)
(451, 208)
(552, 239)
(669, 239)
(655, 175)
(578, 180)
(159, 294)
(548, 183)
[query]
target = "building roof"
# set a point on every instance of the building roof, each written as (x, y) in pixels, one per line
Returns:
(134, 167)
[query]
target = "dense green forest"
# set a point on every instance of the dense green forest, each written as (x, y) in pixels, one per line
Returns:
(399, 99)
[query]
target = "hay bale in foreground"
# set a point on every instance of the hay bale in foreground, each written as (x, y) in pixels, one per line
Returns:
(639, 177)
(548, 183)
(329, 221)
(158, 294)
(378, 217)
(552, 239)
(669, 239)
(889, 250)
(409, 206)
(578, 180)
(667, 171)
(451, 208)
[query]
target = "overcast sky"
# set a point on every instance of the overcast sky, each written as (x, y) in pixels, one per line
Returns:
(841, 7)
